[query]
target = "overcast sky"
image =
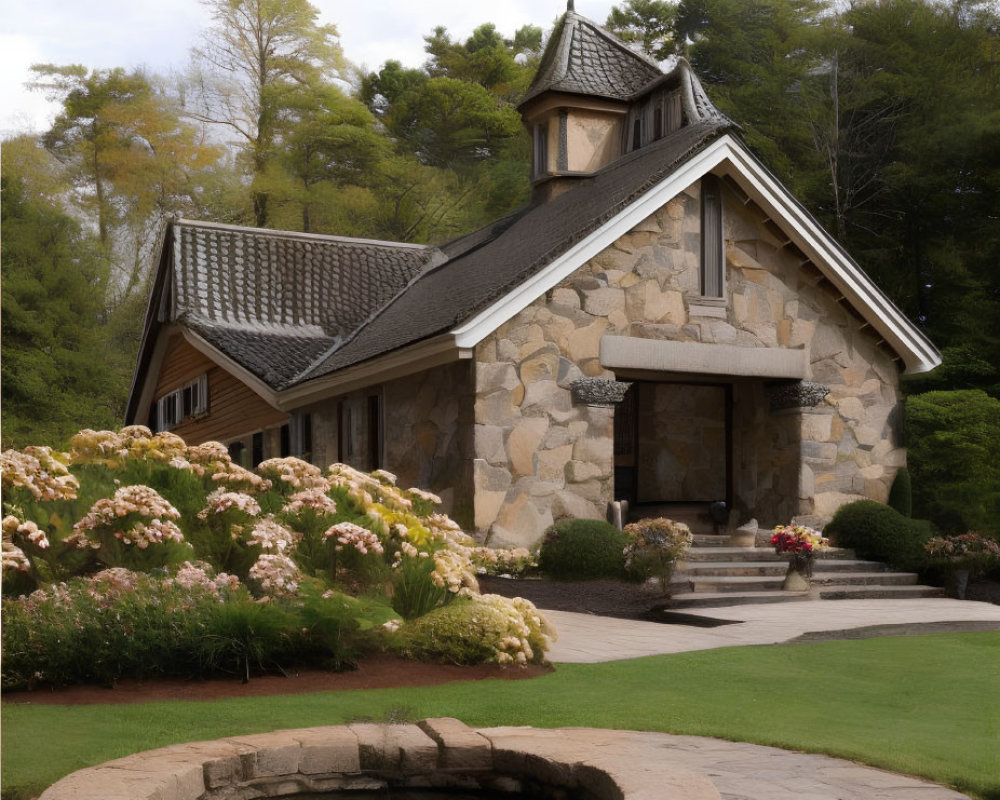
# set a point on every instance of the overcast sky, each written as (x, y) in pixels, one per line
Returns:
(158, 34)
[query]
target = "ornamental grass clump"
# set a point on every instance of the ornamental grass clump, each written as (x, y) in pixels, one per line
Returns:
(653, 548)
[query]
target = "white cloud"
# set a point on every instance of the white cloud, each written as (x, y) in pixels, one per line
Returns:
(159, 35)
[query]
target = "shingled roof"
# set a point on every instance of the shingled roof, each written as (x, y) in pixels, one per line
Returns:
(276, 301)
(583, 58)
(485, 265)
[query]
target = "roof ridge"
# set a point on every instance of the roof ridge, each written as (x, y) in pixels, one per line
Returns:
(283, 234)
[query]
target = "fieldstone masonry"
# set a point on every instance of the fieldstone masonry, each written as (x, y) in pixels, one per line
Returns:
(541, 455)
(590, 763)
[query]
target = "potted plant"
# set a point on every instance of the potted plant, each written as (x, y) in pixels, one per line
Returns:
(966, 556)
(800, 543)
(653, 547)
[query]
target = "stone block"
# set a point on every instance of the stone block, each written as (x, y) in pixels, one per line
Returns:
(487, 506)
(520, 523)
(827, 503)
(851, 408)
(552, 463)
(817, 427)
(332, 748)
(566, 297)
(546, 397)
(459, 747)
(585, 342)
(523, 442)
(494, 376)
(579, 471)
(567, 504)
(276, 753)
(568, 372)
(819, 453)
(542, 365)
(601, 302)
(103, 783)
(867, 436)
(395, 749)
(489, 443)
(490, 478)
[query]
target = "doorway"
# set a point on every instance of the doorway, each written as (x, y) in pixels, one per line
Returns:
(673, 443)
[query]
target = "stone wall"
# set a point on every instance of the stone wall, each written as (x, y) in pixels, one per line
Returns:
(541, 457)
(427, 433)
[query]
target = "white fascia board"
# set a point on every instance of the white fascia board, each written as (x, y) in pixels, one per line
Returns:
(470, 333)
(396, 364)
(916, 350)
(252, 382)
(918, 354)
(150, 377)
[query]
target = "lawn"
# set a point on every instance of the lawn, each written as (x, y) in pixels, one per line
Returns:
(924, 705)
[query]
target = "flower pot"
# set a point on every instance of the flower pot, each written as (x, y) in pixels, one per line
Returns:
(960, 582)
(799, 575)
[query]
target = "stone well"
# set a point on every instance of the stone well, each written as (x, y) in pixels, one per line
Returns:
(435, 753)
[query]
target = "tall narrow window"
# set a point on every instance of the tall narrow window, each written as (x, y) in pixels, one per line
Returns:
(658, 122)
(541, 150)
(374, 431)
(712, 261)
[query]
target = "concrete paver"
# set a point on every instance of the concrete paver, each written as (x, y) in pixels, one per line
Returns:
(586, 638)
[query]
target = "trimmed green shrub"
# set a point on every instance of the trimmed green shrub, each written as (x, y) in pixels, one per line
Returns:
(954, 457)
(581, 549)
(877, 532)
(900, 494)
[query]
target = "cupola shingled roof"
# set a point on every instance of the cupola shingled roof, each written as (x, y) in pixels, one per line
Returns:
(583, 58)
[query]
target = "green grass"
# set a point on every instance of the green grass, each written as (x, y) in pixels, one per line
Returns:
(925, 705)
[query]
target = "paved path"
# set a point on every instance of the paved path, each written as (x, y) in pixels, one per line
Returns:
(742, 771)
(585, 638)
(643, 762)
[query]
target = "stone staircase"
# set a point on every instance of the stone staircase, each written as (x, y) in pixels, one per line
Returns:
(713, 573)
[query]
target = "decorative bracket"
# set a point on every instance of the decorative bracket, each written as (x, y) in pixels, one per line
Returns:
(598, 391)
(799, 394)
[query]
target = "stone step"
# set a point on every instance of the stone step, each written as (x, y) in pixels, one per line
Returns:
(710, 540)
(766, 583)
(698, 568)
(710, 599)
(843, 592)
(720, 553)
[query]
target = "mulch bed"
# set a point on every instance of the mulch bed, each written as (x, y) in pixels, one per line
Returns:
(603, 598)
(373, 672)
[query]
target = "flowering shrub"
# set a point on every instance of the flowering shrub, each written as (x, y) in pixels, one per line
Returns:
(128, 522)
(507, 563)
(480, 629)
(971, 551)
(798, 539)
(653, 547)
(40, 471)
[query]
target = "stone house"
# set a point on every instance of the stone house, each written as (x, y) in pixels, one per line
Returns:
(664, 323)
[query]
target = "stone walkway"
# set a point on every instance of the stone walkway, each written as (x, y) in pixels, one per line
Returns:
(585, 638)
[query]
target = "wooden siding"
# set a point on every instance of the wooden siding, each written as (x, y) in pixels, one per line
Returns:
(233, 409)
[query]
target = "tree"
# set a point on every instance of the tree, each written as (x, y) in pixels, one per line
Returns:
(254, 56)
(646, 23)
(131, 158)
(55, 276)
(329, 143)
